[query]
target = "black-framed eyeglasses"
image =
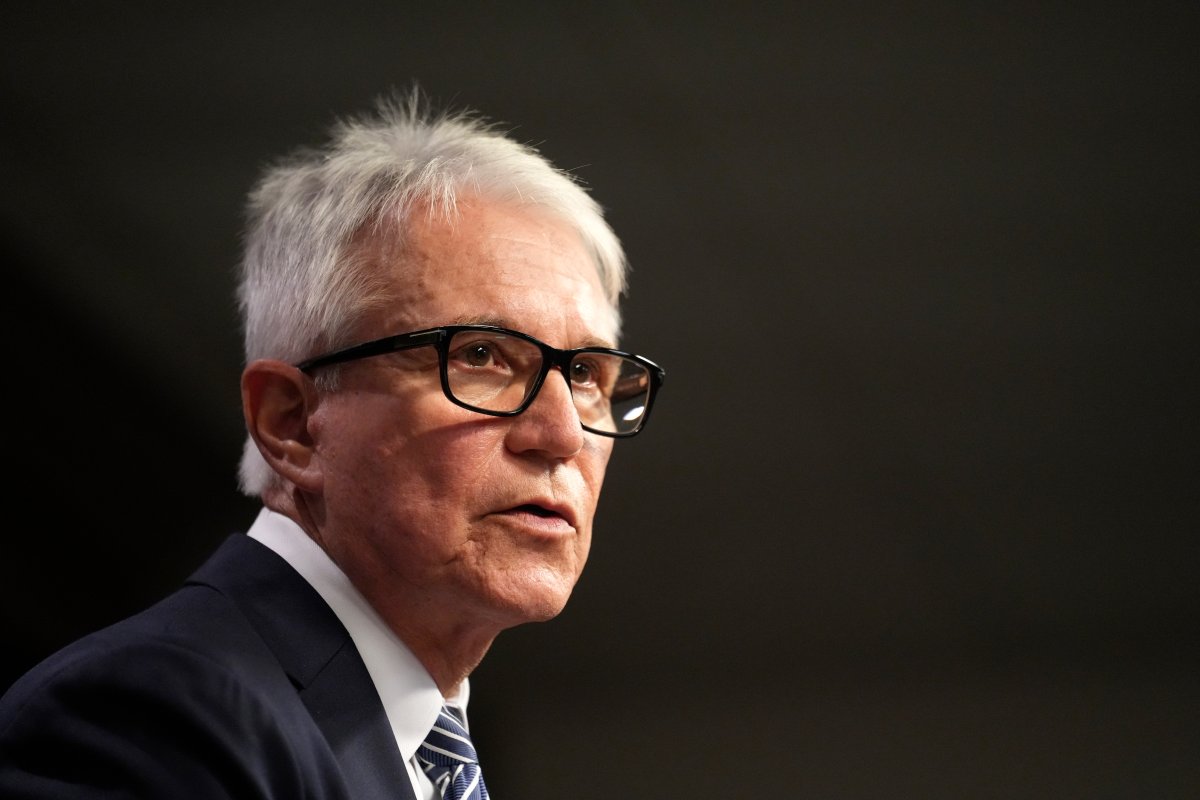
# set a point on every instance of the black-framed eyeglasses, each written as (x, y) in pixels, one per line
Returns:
(498, 371)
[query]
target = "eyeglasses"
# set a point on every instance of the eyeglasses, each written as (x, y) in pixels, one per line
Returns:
(498, 371)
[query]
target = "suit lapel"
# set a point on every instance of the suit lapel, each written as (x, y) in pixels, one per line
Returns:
(344, 704)
(320, 659)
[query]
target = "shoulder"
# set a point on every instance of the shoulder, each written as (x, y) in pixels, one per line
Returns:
(183, 700)
(193, 639)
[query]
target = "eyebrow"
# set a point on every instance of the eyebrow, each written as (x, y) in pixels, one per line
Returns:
(500, 322)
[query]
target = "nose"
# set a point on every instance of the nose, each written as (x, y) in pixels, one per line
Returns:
(551, 424)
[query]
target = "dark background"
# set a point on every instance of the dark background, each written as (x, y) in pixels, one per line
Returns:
(917, 514)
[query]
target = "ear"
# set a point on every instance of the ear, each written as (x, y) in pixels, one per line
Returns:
(277, 401)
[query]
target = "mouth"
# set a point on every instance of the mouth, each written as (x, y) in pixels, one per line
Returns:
(537, 511)
(540, 510)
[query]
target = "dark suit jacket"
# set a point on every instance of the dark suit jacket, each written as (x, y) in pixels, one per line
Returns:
(242, 684)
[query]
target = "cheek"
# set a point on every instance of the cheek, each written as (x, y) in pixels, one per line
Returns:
(599, 457)
(367, 452)
(593, 466)
(379, 428)
(408, 502)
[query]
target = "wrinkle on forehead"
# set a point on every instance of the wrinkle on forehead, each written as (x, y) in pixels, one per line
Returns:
(512, 266)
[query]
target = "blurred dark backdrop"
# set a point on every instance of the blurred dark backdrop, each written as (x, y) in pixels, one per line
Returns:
(917, 514)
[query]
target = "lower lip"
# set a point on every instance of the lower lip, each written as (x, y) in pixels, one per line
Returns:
(546, 525)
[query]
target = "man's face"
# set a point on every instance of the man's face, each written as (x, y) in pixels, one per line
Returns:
(468, 522)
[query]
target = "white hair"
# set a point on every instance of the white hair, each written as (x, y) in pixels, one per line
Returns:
(300, 285)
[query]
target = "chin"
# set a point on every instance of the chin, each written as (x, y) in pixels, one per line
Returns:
(536, 602)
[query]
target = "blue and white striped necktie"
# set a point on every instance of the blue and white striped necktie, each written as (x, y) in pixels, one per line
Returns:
(448, 757)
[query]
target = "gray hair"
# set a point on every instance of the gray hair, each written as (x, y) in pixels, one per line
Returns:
(301, 286)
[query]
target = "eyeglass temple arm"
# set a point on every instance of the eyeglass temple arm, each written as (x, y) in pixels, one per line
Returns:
(388, 344)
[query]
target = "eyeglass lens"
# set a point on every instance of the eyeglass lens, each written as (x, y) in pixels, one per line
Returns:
(495, 372)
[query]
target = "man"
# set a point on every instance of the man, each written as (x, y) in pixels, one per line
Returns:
(431, 396)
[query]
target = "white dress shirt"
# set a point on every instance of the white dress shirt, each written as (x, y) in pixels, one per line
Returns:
(410, 698)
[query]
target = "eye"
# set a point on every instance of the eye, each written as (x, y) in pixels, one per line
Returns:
(594, 372)
(583, 372)
(478, 354)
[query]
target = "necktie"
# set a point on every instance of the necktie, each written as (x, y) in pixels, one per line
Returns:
(449, 759)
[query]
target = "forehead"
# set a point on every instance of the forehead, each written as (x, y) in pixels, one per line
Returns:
(492, 262)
